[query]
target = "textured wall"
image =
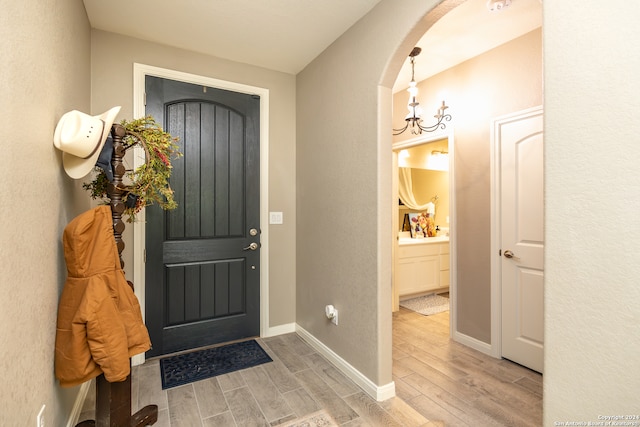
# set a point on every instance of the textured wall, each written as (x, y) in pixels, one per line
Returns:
(112, 62)
(44, 73)
(592, 285)
(344, 184)
(501, 81)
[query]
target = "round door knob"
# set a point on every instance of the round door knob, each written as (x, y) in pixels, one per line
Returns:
(508, 254)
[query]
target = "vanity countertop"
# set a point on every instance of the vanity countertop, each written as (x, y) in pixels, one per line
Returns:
(405, 241)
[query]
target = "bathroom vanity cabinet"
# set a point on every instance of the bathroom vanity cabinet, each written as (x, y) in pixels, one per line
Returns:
(423, 265)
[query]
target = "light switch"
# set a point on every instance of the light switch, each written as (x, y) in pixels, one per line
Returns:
(275, 217)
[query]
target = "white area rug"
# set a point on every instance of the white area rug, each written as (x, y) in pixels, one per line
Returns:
(317, 419)
(427, 305)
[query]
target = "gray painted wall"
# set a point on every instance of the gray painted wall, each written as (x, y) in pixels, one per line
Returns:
(45, 47)
(344, 184)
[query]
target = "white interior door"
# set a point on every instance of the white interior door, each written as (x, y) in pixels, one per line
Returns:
(520, 140)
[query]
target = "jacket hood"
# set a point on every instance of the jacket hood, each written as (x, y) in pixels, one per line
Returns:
(89, 244)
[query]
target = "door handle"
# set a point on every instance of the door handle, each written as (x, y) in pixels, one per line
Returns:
(508, 254)
(252, 247)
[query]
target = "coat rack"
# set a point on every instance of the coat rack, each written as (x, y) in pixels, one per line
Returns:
(113, 400)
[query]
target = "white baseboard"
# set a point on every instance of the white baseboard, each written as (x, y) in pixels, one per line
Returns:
(379, 393)
(138, 359)
(287, 328)
(79, 403)
(474, 343)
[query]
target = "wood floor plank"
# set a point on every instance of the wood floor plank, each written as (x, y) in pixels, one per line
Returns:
(292, 360)
(183, 407)
(399, 370)
(436, 414)
(326, 397)
(297, 344)
(398, 351)
(301, 402)
(163, 418)
(273, 405)
(210, 397)
(244, 408)
(342, 385)
(447, 368)
(509, 393)
(441, 380)
(461, 409)
(281, 376)
(405, 414)
(405, 391)
(150, 386)
(224, 419)
(368, 409)
(528, 384)
(504, 415)
(231, 381)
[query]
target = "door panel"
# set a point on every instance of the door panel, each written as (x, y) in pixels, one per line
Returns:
(202, 286)
(522, 234)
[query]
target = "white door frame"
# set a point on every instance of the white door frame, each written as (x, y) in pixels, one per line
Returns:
(140, 71)
(496, 221)
(420, 140)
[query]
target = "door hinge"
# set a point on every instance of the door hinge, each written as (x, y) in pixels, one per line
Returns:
(144, 96)
(144, 256)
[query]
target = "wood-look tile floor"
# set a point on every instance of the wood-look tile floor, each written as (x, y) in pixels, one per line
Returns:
(438, 383)
(457, 385)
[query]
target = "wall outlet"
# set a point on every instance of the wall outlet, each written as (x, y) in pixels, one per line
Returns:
(332, 314)
(40, 419)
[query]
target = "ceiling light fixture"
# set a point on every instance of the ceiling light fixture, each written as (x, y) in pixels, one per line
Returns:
(414, 119)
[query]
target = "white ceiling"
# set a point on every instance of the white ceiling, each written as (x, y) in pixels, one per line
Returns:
(286, 35)
(467, 31)
(282, 35)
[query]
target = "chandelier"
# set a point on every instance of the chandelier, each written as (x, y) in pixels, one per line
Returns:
(414, 118)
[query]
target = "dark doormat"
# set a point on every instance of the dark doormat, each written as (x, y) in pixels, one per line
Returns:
(202, 364)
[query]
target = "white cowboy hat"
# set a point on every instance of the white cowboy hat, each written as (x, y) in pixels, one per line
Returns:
(81, 137)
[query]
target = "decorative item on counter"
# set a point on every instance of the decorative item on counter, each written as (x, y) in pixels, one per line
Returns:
(149, 183)
(431, 227)
(406, 224)
(422, 225)
(416, 230)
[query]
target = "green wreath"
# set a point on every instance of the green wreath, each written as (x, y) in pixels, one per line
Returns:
(149, 183)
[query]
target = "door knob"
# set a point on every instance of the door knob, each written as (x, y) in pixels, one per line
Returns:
(508, 254)
(252, 247)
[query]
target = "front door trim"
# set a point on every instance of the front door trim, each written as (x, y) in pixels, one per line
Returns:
(140, 71)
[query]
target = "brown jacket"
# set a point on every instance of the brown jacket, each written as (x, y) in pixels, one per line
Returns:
(99, 320)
